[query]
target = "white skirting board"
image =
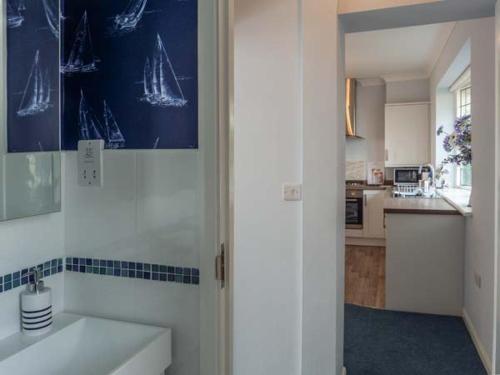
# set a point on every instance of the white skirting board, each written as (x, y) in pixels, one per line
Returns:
(485, 358)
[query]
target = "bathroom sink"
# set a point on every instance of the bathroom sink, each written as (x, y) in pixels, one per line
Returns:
(80, 345)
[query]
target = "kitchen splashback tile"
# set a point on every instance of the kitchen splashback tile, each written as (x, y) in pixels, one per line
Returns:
(355, 170)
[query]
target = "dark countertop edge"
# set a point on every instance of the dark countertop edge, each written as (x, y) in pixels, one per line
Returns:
(420, 211)
(368, 187)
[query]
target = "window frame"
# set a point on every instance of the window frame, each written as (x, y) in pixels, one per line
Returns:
(462, 88)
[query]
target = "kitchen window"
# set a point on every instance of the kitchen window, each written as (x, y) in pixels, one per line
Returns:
(462, 89)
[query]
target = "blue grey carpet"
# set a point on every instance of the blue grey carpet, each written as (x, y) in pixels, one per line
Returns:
(379, 342)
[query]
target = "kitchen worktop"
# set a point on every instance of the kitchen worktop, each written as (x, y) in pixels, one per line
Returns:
(368, 187)
(425, 206)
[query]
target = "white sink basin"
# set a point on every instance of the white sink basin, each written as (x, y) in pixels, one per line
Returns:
(79, 345)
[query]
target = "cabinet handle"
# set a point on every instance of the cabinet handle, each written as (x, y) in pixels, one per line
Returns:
(364, 200)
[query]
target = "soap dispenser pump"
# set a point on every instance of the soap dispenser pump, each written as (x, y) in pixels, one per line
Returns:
(36, 306)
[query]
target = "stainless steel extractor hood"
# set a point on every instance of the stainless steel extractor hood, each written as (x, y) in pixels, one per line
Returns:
(350, 108)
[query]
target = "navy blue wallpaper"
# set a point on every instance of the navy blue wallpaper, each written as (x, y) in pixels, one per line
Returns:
(129, 73)
(33, 79)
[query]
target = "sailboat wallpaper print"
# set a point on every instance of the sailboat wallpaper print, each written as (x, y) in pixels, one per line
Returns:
(129, 73)
(126, 72)
(33, 79)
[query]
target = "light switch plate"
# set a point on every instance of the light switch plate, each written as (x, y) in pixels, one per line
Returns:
(292, 192)
(90, 162)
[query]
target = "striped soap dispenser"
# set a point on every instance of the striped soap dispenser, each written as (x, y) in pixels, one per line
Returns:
(36, 306)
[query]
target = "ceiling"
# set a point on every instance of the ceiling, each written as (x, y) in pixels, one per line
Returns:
(396, 54)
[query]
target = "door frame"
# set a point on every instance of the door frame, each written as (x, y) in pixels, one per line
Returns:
(386, 19)
(225, 176)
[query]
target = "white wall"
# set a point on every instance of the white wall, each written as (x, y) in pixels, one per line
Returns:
(268, 152)
(287, 130)
(480, 228)
(407, 91)
(323, 217)
(149, 210)
(369, 124)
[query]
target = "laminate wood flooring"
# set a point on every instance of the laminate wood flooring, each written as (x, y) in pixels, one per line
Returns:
(365, 276)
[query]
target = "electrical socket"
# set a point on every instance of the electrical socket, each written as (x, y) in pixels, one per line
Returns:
(90, 162)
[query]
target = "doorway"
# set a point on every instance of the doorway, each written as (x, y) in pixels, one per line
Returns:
(384, 280)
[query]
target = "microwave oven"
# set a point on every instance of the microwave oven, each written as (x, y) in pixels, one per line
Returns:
(406, 176)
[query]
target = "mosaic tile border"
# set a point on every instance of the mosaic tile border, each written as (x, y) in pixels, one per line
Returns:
(18, 278)
(134, 270)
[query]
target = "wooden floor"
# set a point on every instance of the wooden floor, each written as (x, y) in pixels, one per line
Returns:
(365, 276)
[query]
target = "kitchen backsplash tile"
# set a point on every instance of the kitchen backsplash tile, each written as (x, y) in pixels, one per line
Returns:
(355, 170)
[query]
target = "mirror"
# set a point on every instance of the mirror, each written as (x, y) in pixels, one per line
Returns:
(30, 160)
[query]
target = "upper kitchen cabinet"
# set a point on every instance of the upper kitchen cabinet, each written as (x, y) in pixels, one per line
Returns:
(407, 138)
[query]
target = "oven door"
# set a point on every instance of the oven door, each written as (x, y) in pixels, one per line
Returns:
(354, 213)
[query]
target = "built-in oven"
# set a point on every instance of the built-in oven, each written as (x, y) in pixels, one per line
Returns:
(354, 209)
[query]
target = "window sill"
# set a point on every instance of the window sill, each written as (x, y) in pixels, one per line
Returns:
(458, 198)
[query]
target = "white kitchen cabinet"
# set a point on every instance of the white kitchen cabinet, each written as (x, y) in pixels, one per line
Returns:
(407, 134)
(373, 214)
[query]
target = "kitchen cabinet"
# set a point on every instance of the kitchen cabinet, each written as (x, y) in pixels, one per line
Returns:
(407, 134)
(373, 214)
(424, 263)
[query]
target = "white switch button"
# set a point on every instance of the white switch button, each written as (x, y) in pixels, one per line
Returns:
(292, 192)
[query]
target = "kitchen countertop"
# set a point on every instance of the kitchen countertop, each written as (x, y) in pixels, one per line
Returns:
(425, 206)
(368, 187)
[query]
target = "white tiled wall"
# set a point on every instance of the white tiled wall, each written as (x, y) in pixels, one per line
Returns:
(28, 242)
(148, 210)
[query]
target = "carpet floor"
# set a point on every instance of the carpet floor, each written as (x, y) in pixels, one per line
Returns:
(379, 342)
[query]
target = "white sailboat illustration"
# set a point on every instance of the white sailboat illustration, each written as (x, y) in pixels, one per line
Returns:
(87, 122)
(52, 14)
(156, 143)
(81, 57)
(161, 85)
(128, 19)
(114, 136)
(91, 128)
(21, 6)
(14, 17)
(36, 96)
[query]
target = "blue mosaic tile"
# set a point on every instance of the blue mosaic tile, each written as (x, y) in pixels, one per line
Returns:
(138, 270)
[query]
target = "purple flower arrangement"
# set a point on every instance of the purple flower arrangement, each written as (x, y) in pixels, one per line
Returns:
(458, 142)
